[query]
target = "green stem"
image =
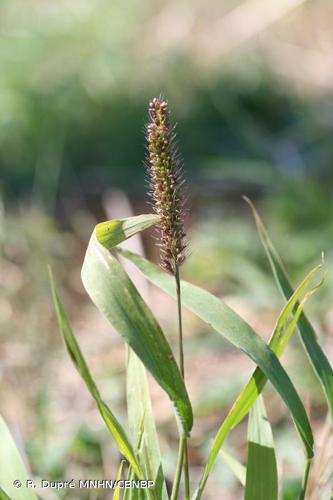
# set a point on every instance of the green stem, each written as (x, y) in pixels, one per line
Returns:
(305, 478)
(180, 323)
(186, 472)
(182, 370)
(175, 487)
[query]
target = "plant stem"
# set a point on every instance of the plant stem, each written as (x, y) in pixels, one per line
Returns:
(305, 478)
(180, 460)
(186, 472)
(180, 323)
(182, 370)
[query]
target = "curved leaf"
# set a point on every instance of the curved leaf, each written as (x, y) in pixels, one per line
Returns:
(225, 321)
(232, 327)
(74, 351)
(117, 298)
(113, 232)
(257, 382)
(317, 358)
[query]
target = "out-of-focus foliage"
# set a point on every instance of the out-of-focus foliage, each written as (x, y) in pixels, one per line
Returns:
(75, 79)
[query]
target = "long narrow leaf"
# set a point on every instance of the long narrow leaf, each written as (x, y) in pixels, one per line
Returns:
(237, 468)
(139, 408)
(257, 382)
(116, 494)
(261, 471)
(140, 413)
(220, 318)
(318, 359)
(12, 468)
(74, 351)
(225, 321)
(118, 299)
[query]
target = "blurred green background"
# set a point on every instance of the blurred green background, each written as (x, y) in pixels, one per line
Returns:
(250, 86)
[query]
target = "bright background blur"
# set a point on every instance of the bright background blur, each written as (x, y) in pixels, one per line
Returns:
(250, 85)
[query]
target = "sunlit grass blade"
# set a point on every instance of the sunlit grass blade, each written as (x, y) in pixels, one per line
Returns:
(113, 232)
(317, 357)
(12, 468)
(118, 299)
(116, 494)
(214, 312)
(237, 468)
(282, 333)
(74, 351)
(261, 470)
(140, 415)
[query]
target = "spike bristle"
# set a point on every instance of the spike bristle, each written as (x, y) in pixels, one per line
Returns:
(165, 174)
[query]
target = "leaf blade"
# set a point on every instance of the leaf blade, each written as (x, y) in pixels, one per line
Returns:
(261, 470)
(116, 494)
(226, 322)
(229, 324)
(12, 468)
(112, 291)
(258, 380)
(237, 468)
(317, 357)
(113, 232)
(140, 414)
(75, 353)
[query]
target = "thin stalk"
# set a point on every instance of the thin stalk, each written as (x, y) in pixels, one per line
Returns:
(305, 478)
(180, 460)
(180, 323)
(182, 370)
(186, 473)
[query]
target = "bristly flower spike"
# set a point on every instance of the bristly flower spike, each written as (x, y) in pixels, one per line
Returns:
(165, 176)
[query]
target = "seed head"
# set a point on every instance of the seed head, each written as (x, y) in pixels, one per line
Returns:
(165, 176)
